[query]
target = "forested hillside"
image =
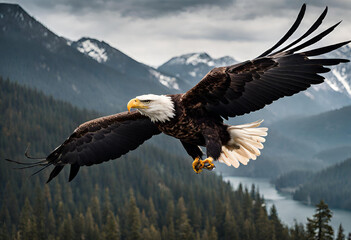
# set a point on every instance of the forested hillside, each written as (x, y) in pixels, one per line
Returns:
(326, 130)
(332, 184)
(149, 194)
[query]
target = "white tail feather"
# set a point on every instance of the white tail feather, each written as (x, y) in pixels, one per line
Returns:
(245, 142)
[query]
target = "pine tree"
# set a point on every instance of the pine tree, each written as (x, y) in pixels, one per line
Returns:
(91, 228)
(133, 223)
(111, 229)
(50, 224)
(213, 235)
(249, 231)
(154, 233)
(27, 228)
(40, 212)
(66, 229)
(144, 220)
(230, 229)
(195, 214)
(263, 226)
(170, 212)
(311, 229)
(95, 209)
(276, 224)
(79, 226)
(341, 235)
(145, 233)
(298, 232)
(152, 213)
(220, 217)
(107, 205)
(184, 230)
(171, 235)
(318, 227)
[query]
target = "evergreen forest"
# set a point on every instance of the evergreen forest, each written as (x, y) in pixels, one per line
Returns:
(147, 194)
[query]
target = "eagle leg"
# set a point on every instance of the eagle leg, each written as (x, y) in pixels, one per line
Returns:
(199, 164)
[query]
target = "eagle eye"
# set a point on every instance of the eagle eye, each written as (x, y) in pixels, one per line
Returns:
(145, 101)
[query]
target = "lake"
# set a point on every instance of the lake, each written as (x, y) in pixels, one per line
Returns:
(289, 209)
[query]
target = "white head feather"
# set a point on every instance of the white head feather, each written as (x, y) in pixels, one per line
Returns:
(160, 108)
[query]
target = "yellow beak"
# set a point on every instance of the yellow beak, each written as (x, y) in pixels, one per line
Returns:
(135, 103)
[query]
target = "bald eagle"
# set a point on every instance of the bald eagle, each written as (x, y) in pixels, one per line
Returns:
(196, 117)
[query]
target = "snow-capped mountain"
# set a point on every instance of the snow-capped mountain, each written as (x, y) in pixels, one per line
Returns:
(193, 67)
(91, 48)
(103, 53)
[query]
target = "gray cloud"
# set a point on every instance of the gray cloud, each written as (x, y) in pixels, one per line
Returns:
(135, 8)
(154, 31)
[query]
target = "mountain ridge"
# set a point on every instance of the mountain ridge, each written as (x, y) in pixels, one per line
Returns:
(104, 53)
(33, 55)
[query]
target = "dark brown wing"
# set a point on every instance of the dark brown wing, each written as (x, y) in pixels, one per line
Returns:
(249, 86)
(101, 140)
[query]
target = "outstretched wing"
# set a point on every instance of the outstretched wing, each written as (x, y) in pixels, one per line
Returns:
(249, 86)
(101, 140)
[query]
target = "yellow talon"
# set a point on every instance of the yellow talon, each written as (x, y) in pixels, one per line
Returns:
(208, 163)
(198, 164)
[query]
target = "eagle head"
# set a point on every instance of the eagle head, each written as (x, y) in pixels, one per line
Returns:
(159, 108)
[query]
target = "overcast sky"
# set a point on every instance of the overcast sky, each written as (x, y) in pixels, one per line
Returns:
(153, 31)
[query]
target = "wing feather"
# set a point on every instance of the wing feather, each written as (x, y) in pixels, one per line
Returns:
(101, 140)
(289, 33)
(249, 86)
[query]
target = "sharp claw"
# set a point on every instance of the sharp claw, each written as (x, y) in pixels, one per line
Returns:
(198, 164)
(209, 166)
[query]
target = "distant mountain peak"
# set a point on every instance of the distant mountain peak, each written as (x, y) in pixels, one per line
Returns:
(16, 23)
(199, 58)
(194, 66)
(92, 48)
(14, 13)
(10, 7)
